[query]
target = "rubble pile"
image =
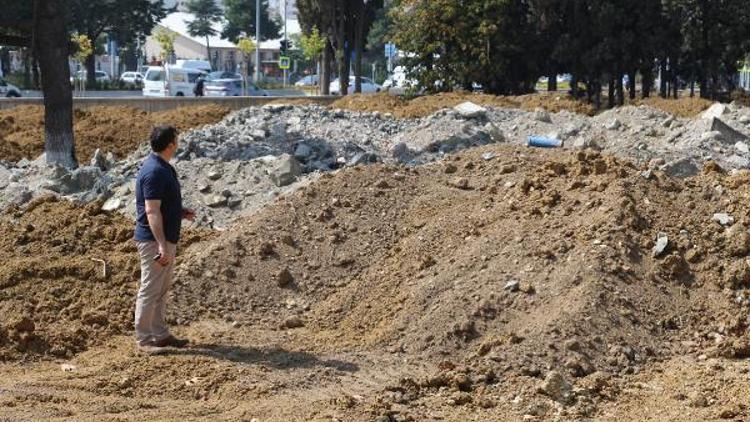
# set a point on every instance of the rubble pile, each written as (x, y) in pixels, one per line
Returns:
(376, 268)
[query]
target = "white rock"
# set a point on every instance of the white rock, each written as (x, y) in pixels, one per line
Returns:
(613, 125)
(742, 147)
(662, 241)
(715, 111)
(469, 110)
(723, 218)
(112, 204)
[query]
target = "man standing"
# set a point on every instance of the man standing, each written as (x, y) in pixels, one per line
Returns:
(157, 232)
(199, 86)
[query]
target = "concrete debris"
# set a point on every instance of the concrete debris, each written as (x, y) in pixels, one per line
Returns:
(260, 153)
(287, 171)
(662, 241)
(723, 218)
(715, 111)
(469, 110)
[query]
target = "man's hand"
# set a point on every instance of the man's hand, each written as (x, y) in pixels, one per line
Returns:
(164, 257)
(188, 214)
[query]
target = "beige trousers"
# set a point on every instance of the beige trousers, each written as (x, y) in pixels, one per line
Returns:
(151, 302)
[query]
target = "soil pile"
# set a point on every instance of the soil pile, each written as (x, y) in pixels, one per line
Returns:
(68, 278)
(119, 130)
(423, 106)
(508, 268)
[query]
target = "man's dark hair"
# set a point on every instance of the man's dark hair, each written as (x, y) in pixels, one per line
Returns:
(162, 136)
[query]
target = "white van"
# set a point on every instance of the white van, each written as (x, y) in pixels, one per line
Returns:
(203, 65)
(170, 81)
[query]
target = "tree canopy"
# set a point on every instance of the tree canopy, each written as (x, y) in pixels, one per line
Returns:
(240, 20)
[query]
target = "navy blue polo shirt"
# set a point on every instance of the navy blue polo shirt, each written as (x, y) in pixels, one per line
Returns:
(157, 179)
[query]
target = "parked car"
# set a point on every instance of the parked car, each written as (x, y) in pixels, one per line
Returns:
(9, 90)
(368, 86)
(170, 81)
(228, 84)
(202, 65)
(131, 78)
(309, 80)
(101, 76)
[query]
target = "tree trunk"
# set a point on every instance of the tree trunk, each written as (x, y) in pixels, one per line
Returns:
(359, 31)
(91, 71)
(704, 87)
(35, 69)
(620, 91)
(325, 78)
(692, 88)
(611, 93)
(208, 53)
(574, 86)
(552, 81)
(648, 82)
(51, 41)
(26, 68)
(631, 85)
(663, 78)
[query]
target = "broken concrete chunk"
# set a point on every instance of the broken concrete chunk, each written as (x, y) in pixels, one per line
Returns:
(112, 204)
(662, 241)
(723, 218)
(715, 111)
(469, 110)
(728, 134)
(541, 115)
(613, 125)
(556, 387)
(287, 171)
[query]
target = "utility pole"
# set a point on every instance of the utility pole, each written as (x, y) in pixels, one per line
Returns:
(257, 41)
(286, 41)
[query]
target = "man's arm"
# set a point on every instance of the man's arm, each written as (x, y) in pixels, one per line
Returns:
(156, 224)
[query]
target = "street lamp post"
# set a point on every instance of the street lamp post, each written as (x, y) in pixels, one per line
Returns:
(257, 41)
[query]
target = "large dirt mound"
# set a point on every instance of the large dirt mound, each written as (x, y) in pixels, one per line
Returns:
(499, 260)
(55, 296)
(422, 106)
(119, 130)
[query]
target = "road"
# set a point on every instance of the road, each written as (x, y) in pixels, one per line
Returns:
(137, 93)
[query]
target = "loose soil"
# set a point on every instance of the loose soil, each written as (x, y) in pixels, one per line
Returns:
(443, 292)
(553, 102)
(57, 297)
(119, 130)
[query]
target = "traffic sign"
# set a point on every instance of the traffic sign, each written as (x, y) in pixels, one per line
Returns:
(284, 62)
(390, 50)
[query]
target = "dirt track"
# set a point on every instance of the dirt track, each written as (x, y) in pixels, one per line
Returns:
(443, 292)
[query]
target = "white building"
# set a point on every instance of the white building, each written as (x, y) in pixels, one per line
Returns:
(224, 53)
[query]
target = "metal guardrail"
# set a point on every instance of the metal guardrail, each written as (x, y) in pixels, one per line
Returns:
(169, 103)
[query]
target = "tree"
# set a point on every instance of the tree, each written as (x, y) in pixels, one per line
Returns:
(312, 45)
(206, 13)
(51, 40)
(83, 49)
(165, 38)
(122, 19)
(453, 45)
(240, 20)
(246, 47)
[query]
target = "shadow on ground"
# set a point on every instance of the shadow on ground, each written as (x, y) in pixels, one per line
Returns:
(276, 357)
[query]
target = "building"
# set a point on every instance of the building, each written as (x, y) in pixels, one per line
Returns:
(224, 53)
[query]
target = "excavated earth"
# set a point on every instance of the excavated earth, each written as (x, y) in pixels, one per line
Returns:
(500, 283)
(118, 130)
